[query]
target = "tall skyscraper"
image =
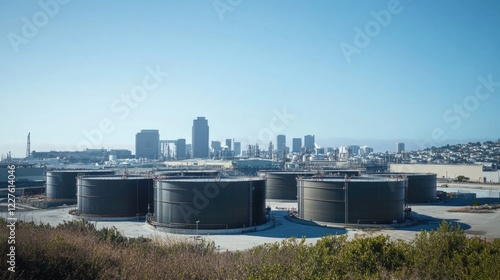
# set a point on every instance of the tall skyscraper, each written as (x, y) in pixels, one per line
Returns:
(237, 149)
(309, 143)
(147, 144)
(189, 150)
(296, 145)
(280, 143)
(200, 138)
(229, 144)
(270, 150)
(216, 147)
(180, 149)
(400, 147)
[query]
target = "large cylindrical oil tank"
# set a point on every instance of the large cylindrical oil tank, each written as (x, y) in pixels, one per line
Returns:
(283, 185)
(115, 196)
(369, 200)
(61, 183)
(188, 173)
(210, 203)
(421, 187)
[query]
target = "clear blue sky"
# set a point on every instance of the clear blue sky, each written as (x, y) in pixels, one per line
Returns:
(238, 66)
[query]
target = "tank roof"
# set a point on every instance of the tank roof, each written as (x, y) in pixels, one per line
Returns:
(212, 180)
(292, 172)
(115, 177)
(353, 179)
(81, 170)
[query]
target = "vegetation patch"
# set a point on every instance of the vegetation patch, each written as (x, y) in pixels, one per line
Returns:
(77, 250)
(486, 208)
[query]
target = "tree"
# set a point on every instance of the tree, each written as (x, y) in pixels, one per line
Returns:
(462, 178)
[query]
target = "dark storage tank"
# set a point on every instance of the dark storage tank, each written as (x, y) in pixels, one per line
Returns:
(283, 185)
(221, 203)
(61, 184)
(421, 187)
(115, 196)
(369, 200)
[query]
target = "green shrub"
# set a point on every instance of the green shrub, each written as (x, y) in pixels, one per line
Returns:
(77, 250)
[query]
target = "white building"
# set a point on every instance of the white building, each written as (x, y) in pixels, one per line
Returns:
(446, 171)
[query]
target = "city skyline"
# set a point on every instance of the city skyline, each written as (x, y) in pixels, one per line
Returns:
(379, 145)
(75, 75)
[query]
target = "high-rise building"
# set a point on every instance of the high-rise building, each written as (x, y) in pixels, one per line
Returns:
(180, 149)
(270, 150)
(200, 138)
(296, 145)
(343, 153)
(365, 150)
(147, 144)
(353, 150)
(216, 147)
(189, 150)
(309, 143)
(229, 144)
(280, 143)
(400, 147)
(237, 149)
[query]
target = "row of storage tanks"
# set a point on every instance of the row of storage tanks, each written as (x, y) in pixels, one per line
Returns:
(178, 199)
(337, 196)
(185, 199)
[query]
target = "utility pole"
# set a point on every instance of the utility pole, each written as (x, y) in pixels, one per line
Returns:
(346, 198)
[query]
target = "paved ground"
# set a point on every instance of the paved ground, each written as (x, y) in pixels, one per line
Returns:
(430, 216)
